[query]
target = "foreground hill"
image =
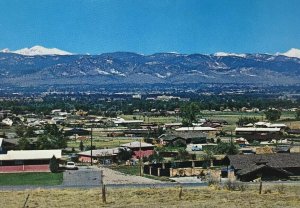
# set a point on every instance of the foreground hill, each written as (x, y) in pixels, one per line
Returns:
(274, 197)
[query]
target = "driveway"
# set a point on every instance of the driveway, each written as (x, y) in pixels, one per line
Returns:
(83, 177)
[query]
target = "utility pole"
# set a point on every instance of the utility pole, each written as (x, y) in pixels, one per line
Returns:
(92, 146)
(140, 157)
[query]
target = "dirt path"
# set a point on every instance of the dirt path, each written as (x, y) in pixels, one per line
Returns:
(114, 177)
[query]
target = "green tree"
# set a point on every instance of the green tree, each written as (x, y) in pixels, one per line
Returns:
(226, 148)
(272, 114)
(183, 155)
(124, 154)
(207, 157)
(81, 146)
(53, 138)
(156, 157)
(297, 115)
(24, 144)
(53, 166)
(189, 113)
(20, 130)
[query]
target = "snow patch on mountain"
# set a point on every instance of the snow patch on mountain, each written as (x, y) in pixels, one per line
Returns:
(229, 54)
(116, 72)
(99, 71)
(37, 50)
(293, 52)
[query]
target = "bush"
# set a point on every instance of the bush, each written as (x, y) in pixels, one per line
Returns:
(124, 154)
(53, 166)
(232, 185)
(280, 189)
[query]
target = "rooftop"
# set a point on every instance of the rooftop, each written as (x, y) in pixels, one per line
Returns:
(30, 154)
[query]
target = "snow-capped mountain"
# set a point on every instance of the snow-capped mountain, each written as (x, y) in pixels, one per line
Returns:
(37, 50)
(230, 54)
(293, 52)
(124, 68)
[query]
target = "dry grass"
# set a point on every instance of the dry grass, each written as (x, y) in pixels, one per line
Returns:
(153, 197)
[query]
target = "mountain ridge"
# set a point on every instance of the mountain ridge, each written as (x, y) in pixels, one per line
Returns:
(159, 68)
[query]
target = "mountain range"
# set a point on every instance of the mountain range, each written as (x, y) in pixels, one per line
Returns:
(39, 66)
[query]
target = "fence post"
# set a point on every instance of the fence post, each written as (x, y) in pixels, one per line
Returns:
(260, 187)
(26, 201)
(171, 172)
(180, 192)
(103, 194)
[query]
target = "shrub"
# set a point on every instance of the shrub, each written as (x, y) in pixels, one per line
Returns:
(280, 189)
(233, 185)
(53, 166)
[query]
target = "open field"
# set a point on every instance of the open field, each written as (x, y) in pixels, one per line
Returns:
(153, 119)
(154, 197)
(8, 179)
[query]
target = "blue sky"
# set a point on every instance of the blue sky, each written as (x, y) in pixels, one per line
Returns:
(150, 26)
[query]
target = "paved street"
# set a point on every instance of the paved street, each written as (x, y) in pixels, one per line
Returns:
(84, 176)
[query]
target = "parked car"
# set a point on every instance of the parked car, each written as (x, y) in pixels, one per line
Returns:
(197, 148)
(71, 166)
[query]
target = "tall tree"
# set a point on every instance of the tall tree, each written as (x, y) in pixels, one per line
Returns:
(189, 113)
(272, 114)
(53, 138)
(24, 144)
(297, 115)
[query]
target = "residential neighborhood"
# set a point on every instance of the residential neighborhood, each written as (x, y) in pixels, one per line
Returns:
(161, 149)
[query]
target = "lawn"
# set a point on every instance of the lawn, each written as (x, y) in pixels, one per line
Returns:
(130, 170)
(13, 179)
(154, 197)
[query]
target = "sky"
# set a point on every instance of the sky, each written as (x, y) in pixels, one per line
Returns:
(151, 26)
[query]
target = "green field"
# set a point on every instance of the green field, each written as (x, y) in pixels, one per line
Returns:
(14, 179)
(103, 142)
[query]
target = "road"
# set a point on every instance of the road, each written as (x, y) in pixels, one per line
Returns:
(84, 176)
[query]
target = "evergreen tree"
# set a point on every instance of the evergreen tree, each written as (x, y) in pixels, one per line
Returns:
(53, 166)
(81, 146)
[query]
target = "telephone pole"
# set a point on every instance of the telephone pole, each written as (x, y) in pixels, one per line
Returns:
(92, 146)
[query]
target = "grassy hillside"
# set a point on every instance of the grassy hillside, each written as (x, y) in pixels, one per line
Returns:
(155, 197)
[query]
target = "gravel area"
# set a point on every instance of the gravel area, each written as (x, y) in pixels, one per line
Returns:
(114, 177)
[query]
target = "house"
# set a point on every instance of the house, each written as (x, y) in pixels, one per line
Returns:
(139, 149)
(27, 160)
(172, 125)
(267, 167)
(262, 124)
(77, 131)
(174, 138)
(7, 144)
(101, 155)
(7, 122)
(122, 122)
(137, 132)
(254, 133)
(209, 130)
